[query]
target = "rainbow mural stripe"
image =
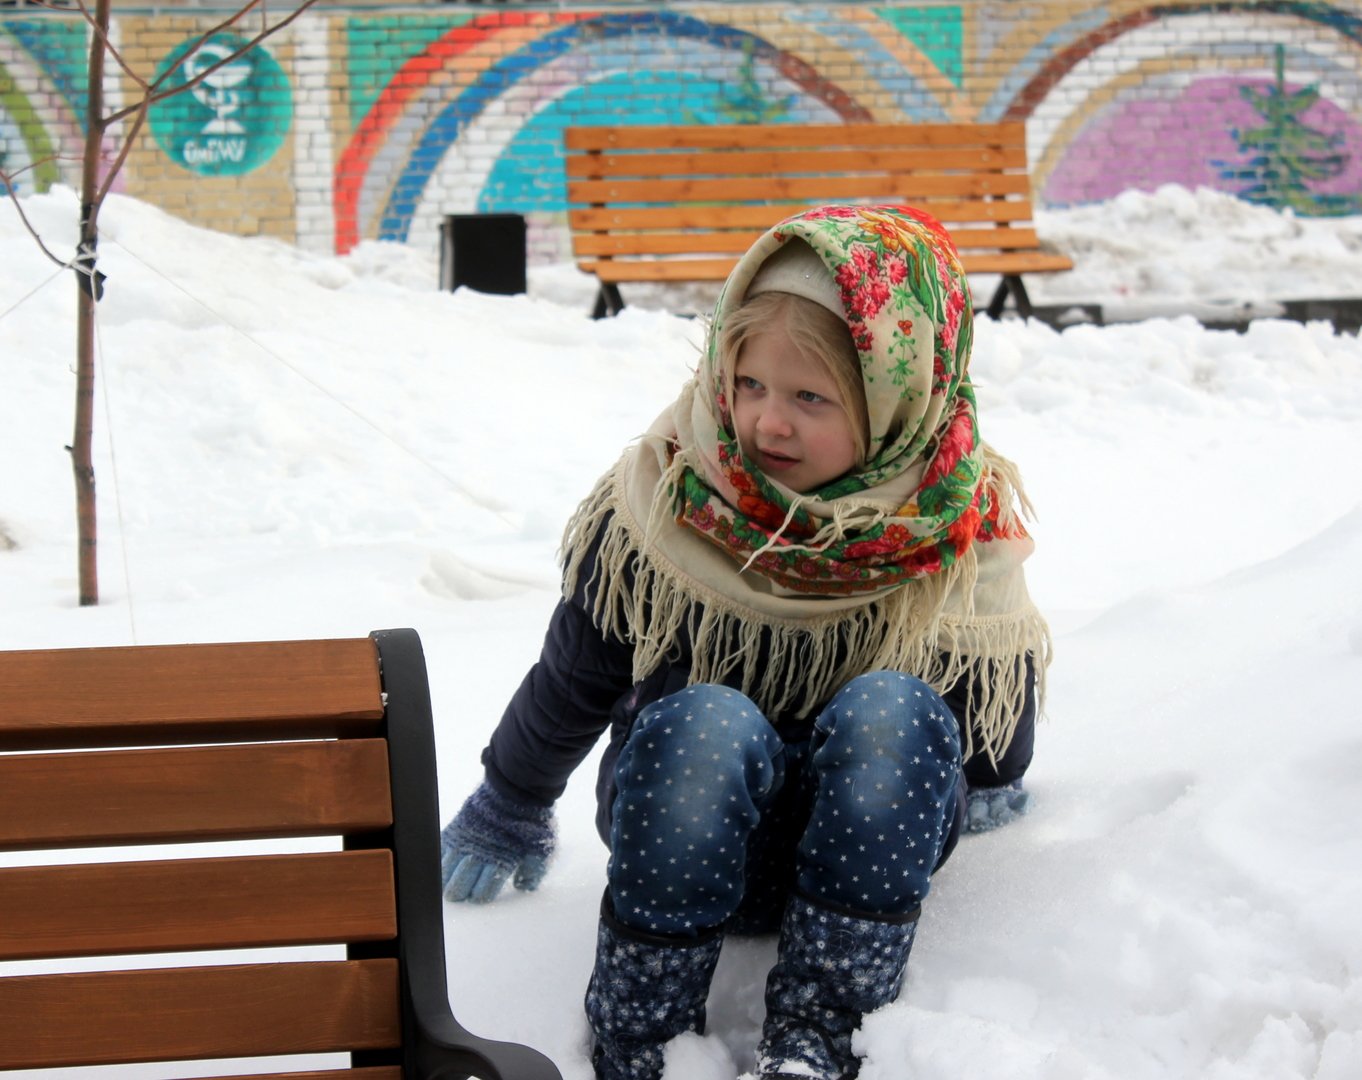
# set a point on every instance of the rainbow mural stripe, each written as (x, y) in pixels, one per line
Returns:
(383, 172)
(42, 92)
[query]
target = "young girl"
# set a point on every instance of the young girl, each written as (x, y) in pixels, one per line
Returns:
(798, 604)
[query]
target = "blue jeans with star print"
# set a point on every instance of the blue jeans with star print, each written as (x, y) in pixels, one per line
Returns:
(717, 820)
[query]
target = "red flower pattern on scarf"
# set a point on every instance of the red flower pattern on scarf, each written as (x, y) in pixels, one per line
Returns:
(965, 529)
(956, 442)
(893, 538)
(922, 561)
(955, 309)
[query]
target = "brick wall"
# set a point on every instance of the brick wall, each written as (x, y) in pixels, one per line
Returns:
(363, 123)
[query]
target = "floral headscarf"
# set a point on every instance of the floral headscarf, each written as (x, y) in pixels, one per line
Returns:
(906, 302)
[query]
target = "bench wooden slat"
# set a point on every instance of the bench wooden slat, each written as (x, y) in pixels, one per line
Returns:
(167, 1014)
(735, 243)
(583, 220)
(799, 189)
(189, 904)
(923, 160)
(639, 270)
(605, 218)
(1014, 262)
(660, 269)
(661, 137)
(656, 243)
(204, 793)
(59, 697)
(968, 241)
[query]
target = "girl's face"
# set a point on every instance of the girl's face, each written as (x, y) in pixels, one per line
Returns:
(788, 414)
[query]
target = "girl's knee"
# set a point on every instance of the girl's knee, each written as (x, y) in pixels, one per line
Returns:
(701, 735)
(690, 783)
(885, 687)
(699, 713)
(889, 708)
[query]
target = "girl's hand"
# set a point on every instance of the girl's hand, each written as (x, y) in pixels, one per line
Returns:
(989, 807)
(491, 839)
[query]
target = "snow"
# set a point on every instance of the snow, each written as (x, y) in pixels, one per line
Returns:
(297, 446)
(1174, 244)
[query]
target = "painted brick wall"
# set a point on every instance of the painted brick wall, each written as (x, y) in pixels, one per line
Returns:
(371, 123)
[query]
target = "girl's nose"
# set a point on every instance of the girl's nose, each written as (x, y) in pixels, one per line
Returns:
(773, 421)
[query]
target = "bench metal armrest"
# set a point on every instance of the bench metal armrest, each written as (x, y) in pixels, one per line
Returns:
(438, 1046)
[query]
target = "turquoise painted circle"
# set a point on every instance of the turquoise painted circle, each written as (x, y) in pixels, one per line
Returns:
(528, 175)
(234, 120)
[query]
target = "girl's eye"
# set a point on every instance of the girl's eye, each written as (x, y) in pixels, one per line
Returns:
(810, 397)
(746, 382)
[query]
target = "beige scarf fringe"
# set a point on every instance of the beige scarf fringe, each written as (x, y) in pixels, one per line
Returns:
(934, 627)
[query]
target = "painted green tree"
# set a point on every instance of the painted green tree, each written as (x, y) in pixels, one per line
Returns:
(1288, 156)
(747, 101)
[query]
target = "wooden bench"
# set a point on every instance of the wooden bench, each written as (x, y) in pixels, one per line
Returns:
(674, 204)
(161, 745)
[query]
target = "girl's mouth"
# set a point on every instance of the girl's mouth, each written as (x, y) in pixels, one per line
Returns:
(772, 460)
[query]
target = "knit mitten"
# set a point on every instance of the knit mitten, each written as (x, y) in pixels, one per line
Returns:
(989, 807)
(490, 839)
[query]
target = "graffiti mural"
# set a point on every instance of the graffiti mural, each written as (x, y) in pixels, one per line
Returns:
(42, 93)
(233, 117)
(1210, 133)
(1226, 108)
(1296, 153)
(372, 124)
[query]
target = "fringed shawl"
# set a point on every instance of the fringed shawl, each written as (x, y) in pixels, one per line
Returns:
(912, 563)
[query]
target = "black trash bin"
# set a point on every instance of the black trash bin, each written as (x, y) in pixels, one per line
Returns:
(484, 252)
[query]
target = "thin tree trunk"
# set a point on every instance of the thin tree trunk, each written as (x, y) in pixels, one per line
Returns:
(82, 460)
(93, 189)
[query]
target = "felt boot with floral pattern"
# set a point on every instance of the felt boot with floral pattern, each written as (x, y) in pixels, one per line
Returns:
(645, 990)
(832, 968)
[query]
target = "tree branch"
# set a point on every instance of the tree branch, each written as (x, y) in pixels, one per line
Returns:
(109, 48)
(231, 20)
(125, 147)
(8, 180)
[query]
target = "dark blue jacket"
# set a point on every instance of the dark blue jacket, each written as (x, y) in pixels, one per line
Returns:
(583, 683)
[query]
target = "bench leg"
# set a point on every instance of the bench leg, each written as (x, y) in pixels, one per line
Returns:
(1010, 283)
(608, 301)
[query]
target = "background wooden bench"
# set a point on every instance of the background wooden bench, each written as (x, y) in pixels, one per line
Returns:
(673, 204)
(228, 742)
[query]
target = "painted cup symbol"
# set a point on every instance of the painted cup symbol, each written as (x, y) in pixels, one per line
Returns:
(216, 91)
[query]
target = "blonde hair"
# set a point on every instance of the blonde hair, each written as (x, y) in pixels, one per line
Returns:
(818, 334)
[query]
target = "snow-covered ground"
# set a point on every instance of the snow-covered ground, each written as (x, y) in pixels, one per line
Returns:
(297, 446)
